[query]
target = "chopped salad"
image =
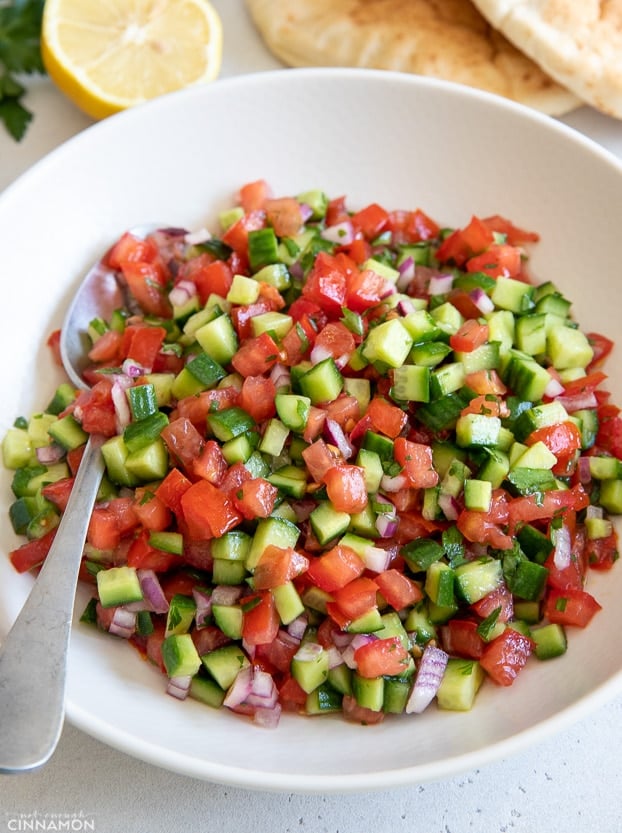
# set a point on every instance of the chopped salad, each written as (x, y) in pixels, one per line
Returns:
(356, 462)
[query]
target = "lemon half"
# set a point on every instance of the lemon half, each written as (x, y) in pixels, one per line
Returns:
(108, 55)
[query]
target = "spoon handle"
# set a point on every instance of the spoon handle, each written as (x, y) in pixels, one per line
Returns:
(33, 657)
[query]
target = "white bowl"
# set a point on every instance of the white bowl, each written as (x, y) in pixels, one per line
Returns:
(395, 139)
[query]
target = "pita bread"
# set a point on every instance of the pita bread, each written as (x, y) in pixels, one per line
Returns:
(578, 42)
(446, 39)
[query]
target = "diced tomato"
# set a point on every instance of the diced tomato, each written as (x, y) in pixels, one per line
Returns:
(412, 226)
(32, 553)
(183, 441)
(318, 459)
(242, 316)
(236, 236)
(497, 261)
(602, 347)
(237, 474)
(253, 195)
(345, 487)
(208, 638)
(609, 436)
(210, 464)
(505, 656)
(370, 220)
(142, 344)
(260, 622)
(277, 566)
(53, 342)
(563, 440)
(463, 302)
(488, 404)
(460, 638)
(110, 522)
(464, 243)
(501, 598)
(196, 408)
(153, 645)
(59, 492)
(255, 498)
(359, 714)
(345, 410)
(130, 248)
(294, 345)
(151, 510)
(382, 656)
(106, 348)
(397, 589)
(147, 282)
(485, 382)
(357, 597)
(171, 489)
(365, 289)
(335, 339)
(515, 235)
(570, 606)
(208, 512)
(336, 211)
(143, 556)
(279, 653)
(469, 336)
(315, 424)
(291, 695)
(178, 582)
(257, 397)
(96, 409)
(585, 384)
(386, 418)
(335, 568)
(326, 284)
(256, 356)
(416, 460)
(284, 215)
(602, 553)
(547, 505)
(477, 528)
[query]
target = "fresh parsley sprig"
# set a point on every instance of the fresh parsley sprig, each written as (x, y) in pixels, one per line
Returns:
(20, 54)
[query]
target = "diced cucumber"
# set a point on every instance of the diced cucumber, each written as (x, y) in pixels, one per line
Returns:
(229, 423)
(461, 682)
(539, 416)
(448, 318)
(142, 401)
(477, 495)
(166, 541)
(513, 295)
(476, 579)
(180, 614)
(328, 523)
(323, 700)
(371, 464)
(611, 496)
(38, 428)
(67, 432)
(225, 663)
(389, 343)
(421, 326)
(447, 379)
(309, 666)
(218, 338)
(477, 430)
(494, 467)
(229, 618)
(179, 656)
(225, 571)
(288, 603)
(243, 290)
(369, 622)
(550, 641)
(429, 354)
(118, 585)
(148, 463)
(360, 389)
(368, 692)
(206, 691)
(411, 383)
(140, 434)
(276, 531)
(322, 383)
(293, 410)
(17, 448)
(232, 546)
(439, 584)
(274, 274)
(274, 437)
(568, 347)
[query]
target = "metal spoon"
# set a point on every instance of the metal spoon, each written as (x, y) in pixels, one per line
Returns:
(33, 657)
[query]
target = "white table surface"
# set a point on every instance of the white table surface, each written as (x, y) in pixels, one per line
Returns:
(569, 783)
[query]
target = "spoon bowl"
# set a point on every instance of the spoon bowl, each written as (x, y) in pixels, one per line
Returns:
(33, 657)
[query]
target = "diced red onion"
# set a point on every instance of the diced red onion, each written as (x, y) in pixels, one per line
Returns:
(394, 484)
(356, 642)
(179, 687)
(263, 684)
(334, 657)
(594, 512)
(440, 284)
(449, 505)
(123, 623)
(342, 639)
(387, 525)
(182, 292)
(152, 591)
(429, 676)
(303, 508)
(407, 273)
(584, 471)
(578, 401)
(306, 212)
(319, 353)
(280, 377)
(267, 718)
(121, 405)
(387, 290)
(224, 594)
(481, 300)
(193, 238)
(47, 455)
(375, 559)
(132, 369)
(562, 554)
(334, 434)
(340, 233)
(203, 601)
(240, 688)
(554, 388)
(309, 652)
(405, 307)
(296, 629)
(249, 648)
